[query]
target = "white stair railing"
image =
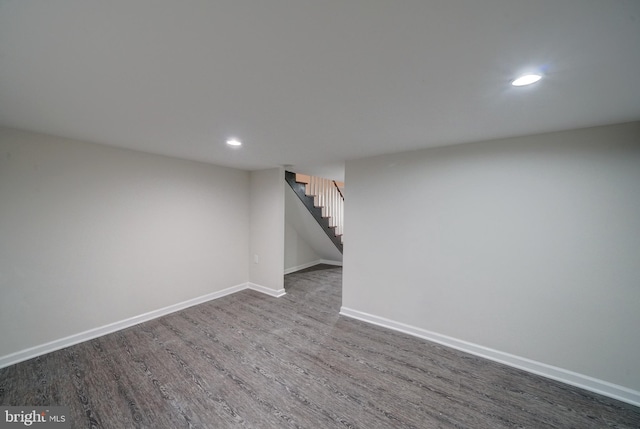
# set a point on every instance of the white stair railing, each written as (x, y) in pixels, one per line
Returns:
(326, 194)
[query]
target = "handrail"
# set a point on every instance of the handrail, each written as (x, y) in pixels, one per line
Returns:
(338, 188)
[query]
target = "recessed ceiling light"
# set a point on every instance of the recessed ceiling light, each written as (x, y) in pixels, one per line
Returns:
(526, 79)
(234, 142)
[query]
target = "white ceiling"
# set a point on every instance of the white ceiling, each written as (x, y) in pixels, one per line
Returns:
(312, 83)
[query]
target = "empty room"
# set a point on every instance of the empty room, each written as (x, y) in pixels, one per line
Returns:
(278, 214)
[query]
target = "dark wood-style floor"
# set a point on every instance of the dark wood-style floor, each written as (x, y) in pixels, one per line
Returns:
(248, 360)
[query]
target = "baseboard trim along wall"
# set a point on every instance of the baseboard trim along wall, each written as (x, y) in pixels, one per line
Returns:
(586, 382)
(268, 291)
(71, 340)
(311, 264)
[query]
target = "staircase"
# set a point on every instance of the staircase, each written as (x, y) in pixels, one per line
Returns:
(324, 198)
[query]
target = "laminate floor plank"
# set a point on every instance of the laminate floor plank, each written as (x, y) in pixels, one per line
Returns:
(251, 361)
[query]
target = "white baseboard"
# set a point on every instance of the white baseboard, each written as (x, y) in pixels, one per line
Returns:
(271, 292)
(301, 267)
(328, 262)
(71, 340)
(586, 382)
(311, 264)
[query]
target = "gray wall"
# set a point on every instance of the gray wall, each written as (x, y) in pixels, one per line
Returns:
(91, 235)
(267, 229)
(297, 253)
(529, 246)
